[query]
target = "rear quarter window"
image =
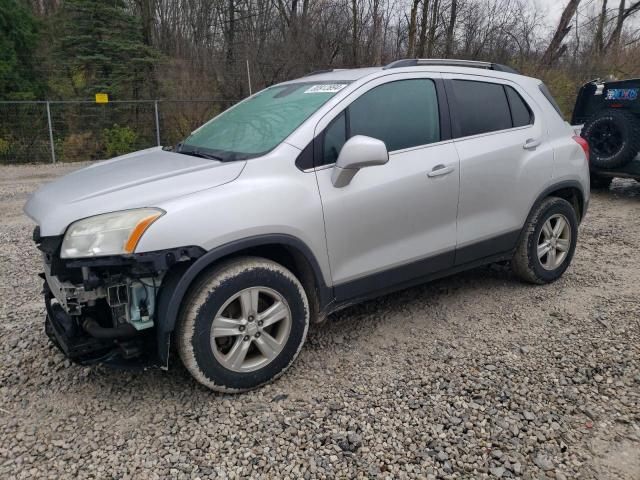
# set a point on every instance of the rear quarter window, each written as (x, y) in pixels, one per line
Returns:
(547, 94)
(520, 112)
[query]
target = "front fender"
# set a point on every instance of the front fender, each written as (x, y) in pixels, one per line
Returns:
(179, 280)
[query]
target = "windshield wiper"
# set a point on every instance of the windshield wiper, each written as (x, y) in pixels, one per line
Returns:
(204, 155)
(198, 153)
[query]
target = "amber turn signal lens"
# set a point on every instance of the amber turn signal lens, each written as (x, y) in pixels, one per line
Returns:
(141, 227)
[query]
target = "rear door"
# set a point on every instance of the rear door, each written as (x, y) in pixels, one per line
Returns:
(396, 221)
(505, 158)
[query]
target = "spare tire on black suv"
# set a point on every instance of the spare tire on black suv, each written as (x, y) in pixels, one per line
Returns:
(609, 113)
(614, 138)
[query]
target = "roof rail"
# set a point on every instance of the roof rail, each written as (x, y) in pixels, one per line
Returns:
(318, 72)
(448, 62)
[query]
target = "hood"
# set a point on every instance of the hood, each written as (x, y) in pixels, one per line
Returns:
(141, 179)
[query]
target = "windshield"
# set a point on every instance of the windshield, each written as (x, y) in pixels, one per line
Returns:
(260, 123)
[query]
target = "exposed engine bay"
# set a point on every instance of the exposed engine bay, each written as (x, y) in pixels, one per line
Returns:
(103, 309)
(131, 300)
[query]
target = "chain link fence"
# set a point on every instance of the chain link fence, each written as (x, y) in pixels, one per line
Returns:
(69, 131)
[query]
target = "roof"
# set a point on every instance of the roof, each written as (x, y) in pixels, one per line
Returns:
(346, 74)
(470, 67)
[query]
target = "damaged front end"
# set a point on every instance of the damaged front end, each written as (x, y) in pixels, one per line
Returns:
(104, 309)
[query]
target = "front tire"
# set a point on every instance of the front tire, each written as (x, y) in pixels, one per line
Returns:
(243, 324)
(548, 242)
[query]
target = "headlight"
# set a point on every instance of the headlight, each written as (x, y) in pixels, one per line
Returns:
(108, 234)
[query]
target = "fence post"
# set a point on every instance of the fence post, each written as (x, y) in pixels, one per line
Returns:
(53, 150)
(249, 78)
(155, 105)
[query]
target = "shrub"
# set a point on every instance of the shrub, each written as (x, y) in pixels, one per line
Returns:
(7, 151)
(4, 147)
(119, 140)
(563, 88)
(78, 147)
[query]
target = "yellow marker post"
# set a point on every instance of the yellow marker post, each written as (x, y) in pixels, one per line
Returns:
(102, 98)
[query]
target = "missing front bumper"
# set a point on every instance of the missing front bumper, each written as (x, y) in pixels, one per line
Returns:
(114, 291)
(66, 333)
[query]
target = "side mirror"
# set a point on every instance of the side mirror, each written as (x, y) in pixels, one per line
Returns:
(358, 152)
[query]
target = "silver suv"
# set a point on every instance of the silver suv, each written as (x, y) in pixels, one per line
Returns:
(306, 197)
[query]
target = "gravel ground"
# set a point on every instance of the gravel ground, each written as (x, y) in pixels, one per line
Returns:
(473, 376)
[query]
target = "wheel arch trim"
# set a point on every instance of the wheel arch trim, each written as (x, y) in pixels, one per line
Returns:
(175, 287)
(562, 185)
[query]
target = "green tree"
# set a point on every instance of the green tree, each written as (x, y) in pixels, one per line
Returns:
(99, 48)
(18, 39)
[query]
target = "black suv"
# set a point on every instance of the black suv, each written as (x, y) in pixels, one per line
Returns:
(610, 112)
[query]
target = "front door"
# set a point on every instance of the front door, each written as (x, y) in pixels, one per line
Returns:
(397, 221)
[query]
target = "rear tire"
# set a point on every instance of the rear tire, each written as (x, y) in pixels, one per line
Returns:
(548, 242)
(242, 324)
(613, 137)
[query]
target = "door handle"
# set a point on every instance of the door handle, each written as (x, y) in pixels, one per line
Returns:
(440, 170)
(531, 143)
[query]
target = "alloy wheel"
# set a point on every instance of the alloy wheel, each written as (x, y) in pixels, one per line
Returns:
(250, 329)
(554, 242)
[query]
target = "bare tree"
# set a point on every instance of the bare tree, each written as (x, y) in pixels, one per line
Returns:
(555, 48)
(206, 43)
(602, 19)
(377, 33)
(354, 33)
(432, 28)
(231, 30)
(623, 14)
(424, 18)
(412, 28)
(448, 45)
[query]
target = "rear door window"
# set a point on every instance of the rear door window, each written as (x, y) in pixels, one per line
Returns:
(482, 107)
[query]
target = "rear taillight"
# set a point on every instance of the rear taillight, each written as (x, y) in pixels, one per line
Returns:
(583, 143)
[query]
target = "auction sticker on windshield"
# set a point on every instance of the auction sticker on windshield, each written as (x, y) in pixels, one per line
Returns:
(326, 88)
